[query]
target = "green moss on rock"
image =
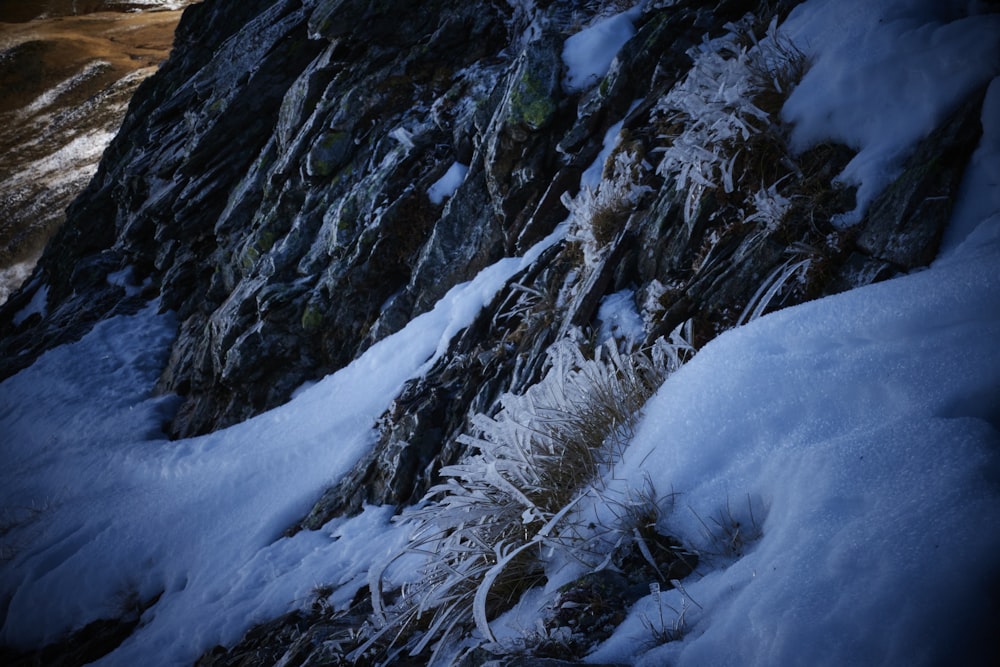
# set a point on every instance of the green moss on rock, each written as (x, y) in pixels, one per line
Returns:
(328, 153)
(530, 102)
(312, 318)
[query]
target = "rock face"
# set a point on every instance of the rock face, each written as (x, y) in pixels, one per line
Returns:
(270, 186)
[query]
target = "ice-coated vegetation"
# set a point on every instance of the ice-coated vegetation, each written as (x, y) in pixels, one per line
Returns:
(483, 530)
(715, 113)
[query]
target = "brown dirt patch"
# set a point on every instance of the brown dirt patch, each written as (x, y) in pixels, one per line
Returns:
(38, 55)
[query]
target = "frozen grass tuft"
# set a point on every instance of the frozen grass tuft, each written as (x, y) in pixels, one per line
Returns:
(719, 120)
(665, 628)
(731, 530)
(483, 527)
(598, 214)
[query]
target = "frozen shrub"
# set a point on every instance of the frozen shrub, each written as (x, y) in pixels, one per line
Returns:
(482, 528)
(598, 214)
(714, 115)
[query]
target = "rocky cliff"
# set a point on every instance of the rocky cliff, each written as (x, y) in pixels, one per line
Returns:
(304, 177)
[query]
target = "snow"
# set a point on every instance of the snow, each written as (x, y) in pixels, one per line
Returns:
(78, 157)
(864, 430)
(591, 177)
(49, 97)
(403, 136)
(169, 5)
(980, 194)
(125, 514)
(589, 53)
(885, 78)
(445, 187)
(619, 319)
(12, 277)
(37, 305)
(855, 438)
(127, 280)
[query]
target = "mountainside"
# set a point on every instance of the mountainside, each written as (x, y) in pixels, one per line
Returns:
(67, 71)
(570, 200)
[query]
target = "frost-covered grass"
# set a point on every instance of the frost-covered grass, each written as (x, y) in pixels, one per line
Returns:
(715, 122)
(483, 529)
(599, 212)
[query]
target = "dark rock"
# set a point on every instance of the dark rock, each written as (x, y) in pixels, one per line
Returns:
(905, 223)
(86, 645)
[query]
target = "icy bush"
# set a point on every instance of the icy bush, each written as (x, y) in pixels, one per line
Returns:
(769, 207)
(483, 527)
(715, 111)
(598, 213)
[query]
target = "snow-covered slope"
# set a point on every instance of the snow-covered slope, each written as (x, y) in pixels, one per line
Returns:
(836, 464)
(856, 440)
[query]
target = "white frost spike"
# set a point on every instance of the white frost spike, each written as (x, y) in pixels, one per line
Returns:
(769, 289)
(770, 207)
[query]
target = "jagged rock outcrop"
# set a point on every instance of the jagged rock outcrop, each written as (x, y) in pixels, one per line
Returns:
(270, 185)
